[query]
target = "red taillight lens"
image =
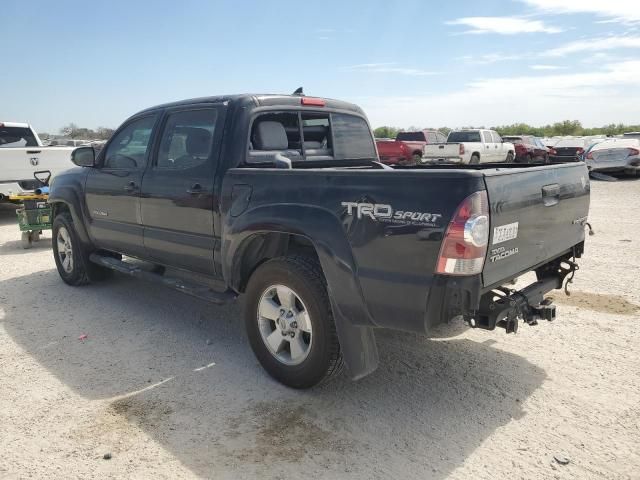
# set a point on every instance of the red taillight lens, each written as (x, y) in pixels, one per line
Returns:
(633, 152)
(579, 151)
(464, 246)
(552, 151)
(590, 155)
(461, 149)
(315, 102)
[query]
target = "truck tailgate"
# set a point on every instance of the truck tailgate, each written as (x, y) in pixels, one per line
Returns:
(441, 150)
(20, 163)
(536, 215)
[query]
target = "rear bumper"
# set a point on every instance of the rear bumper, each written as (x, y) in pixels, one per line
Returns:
(496, 306)
(437, 160)
(13, 187)
(631, 166)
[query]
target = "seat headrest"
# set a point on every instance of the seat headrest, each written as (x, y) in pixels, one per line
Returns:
(198, 143)
(270, 136)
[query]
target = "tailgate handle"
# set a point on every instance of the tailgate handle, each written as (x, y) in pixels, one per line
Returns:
(551, 194)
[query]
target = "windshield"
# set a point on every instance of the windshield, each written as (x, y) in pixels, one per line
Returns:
(464, 137)
(17, 137)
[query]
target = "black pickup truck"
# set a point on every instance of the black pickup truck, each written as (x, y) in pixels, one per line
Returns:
(282, 198)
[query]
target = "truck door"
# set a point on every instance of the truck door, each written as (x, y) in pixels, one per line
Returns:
(178, 201)
(113, 188)
(488, 153)
(500, 151)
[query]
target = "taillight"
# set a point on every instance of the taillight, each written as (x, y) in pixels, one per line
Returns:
(552, 151)
(590, 155)
(464, 246)
(633, 152)
(461, 149)
(579, 151)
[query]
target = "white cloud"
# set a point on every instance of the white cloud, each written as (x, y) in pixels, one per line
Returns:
(623, 11)
(488, 58)
(595, 97)
(594, 45)
(503, 25)
(390, 67)
(546, 67)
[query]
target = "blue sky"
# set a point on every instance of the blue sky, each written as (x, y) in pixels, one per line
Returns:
(413, 62)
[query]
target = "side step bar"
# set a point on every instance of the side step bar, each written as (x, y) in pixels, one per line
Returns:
(197, 290)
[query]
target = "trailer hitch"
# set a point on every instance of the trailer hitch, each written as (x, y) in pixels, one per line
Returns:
(504, 308)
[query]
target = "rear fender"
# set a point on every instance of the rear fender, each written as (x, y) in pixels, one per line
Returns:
(354, 324)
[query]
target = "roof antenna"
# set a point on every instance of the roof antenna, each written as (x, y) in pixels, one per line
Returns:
(299, 92)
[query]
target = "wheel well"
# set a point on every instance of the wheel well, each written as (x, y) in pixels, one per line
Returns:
(417, 152)
(477, 154)
(58, 208)
(264, 246)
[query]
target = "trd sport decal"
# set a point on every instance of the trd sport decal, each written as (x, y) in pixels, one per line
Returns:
(385, 213)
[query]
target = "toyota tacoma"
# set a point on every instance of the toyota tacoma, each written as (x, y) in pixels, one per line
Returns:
(281, 199)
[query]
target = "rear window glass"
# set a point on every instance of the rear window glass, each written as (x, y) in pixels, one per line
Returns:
(464, 137)
(352, 137)
(571, 142)
(17, 137)
(310, 136)
(513, 139)
(410, 136)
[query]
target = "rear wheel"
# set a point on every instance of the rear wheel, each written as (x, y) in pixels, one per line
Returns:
(510, 157)
(290, 323)
(416, 158)
(475, 159)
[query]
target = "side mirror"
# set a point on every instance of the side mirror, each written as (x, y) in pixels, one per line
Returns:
(84, 156)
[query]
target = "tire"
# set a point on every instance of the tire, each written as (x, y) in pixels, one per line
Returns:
(317, 357)
(546, 159)
(35, 235)
(73, 262)
(528, 158)
(510, 158)
(475, 159)
(416, 159)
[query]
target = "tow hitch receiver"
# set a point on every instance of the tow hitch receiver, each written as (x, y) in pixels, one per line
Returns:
(504, 308)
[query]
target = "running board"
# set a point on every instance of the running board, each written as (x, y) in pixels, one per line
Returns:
(197, 290)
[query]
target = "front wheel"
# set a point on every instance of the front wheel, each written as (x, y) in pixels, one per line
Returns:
(509, 157)
(290, 324)
(71, 256)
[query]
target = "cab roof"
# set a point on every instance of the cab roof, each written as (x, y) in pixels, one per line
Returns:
(260, 100)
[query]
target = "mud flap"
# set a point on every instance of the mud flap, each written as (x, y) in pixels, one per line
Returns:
(358, 345)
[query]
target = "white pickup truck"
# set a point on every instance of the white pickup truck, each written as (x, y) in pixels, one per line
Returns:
(21, 154)
(470, 146)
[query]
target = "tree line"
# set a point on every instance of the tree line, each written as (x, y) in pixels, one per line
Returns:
(81, 133)
(566, 127)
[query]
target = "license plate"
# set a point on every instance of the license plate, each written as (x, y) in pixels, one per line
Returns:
(504, 233)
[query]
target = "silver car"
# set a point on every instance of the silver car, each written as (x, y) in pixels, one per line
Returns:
(619, 155)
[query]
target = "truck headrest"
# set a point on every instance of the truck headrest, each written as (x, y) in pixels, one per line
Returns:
(270, 135)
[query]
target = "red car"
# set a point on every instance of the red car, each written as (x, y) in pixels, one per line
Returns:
(529, 149)
(406, 149)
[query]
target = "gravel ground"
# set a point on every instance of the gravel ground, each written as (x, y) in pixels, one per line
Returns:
(170, 388)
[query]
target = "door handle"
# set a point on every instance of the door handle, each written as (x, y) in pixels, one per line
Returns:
(196, 189)
(29, 152)
(131, 187)
(550, 194)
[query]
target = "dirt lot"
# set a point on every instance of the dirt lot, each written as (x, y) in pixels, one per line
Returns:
(169, 387)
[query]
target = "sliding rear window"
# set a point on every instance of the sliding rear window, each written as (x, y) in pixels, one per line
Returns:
(309, 135)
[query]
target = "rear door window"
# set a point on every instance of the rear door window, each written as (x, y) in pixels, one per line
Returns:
(187, 139)
(487, 137)
(17, 137)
